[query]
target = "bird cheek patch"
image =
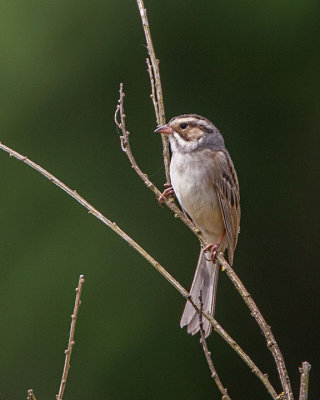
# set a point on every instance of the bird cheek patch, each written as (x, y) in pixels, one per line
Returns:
(195, 133)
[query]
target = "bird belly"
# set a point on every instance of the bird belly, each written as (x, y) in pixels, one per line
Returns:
(197, 195)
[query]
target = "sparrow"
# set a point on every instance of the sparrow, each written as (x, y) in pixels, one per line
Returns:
(205, 183)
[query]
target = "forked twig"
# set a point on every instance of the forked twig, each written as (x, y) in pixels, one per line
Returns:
(156, 86)
(120, 121)
(207, 354)
(71, 341)
(304, 380)
(112, 225)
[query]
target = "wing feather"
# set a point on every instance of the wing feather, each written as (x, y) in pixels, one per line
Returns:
(226, 182)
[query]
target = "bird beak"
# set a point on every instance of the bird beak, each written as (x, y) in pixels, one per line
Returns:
(164, 129)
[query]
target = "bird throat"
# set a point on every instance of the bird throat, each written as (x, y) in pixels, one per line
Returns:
(180, 144)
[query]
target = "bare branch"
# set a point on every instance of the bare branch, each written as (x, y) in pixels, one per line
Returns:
(31, 395)
(112, 225)
(156, 86)
(207, 354)
(153, 90)
(304, 380)
(71, 341)
(266, 329)
(119, 118)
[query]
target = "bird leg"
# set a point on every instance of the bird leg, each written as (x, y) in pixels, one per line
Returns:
(214, 248)
(167, 192)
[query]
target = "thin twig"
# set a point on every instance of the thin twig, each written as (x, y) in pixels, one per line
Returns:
(153, 95)
(125, 146)
(159, 106)
(266, 329)
(112, 225)
(71, 341)
(207, 354)
(31, 395)
(304, 380)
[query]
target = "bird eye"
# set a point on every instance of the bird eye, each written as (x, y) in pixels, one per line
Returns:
(183, 125)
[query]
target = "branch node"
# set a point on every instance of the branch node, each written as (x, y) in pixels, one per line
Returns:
(270, 343)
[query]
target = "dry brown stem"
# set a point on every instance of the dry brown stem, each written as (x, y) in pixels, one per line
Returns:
(71, 341)
(207, 354)
(153, 95)
(156, 88)
(304, 380)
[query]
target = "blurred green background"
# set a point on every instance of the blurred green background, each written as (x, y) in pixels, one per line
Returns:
(253, 69)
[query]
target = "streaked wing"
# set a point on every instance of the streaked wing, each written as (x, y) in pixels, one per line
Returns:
(226, 182)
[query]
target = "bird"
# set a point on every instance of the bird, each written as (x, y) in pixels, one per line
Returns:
(205, 182)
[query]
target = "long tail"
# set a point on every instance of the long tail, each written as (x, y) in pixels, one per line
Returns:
(205, 279)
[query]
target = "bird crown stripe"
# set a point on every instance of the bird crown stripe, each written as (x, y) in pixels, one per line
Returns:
(193, 121)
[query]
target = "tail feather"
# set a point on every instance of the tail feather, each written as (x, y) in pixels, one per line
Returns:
(205, 280)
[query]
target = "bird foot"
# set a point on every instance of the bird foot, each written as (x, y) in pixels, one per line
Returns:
(213, 248)
(167, 192)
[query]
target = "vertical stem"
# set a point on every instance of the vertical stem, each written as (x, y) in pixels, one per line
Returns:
(159, 108)
(71, 342)
(304, 380)
(207, 353)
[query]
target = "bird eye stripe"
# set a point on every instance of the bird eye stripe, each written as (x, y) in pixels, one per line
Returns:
(185, 120)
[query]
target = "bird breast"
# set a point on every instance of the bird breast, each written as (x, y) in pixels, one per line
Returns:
(191, 179)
